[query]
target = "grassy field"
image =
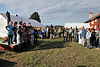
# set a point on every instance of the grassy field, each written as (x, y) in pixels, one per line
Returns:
(52, 53)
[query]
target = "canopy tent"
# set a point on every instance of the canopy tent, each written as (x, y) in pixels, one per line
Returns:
(3, 23)
(86, 25)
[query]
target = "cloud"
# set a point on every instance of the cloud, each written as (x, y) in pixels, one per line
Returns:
(58, 11)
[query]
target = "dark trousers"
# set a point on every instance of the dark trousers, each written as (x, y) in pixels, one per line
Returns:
(70, 37)
(15, 36)
(48, 34)
(20, 47)
(10, 39)
(45, 34)
(60, 34)
(93, 41)
(35, 39)
(66, 38)
(63, 34)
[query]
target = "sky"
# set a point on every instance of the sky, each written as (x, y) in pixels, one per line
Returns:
(55, 12)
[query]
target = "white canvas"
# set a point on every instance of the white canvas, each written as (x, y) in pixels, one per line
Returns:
(86, 25)
(3, 23)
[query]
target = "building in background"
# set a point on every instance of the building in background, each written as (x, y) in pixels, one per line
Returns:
(94, 21)
(68, 25)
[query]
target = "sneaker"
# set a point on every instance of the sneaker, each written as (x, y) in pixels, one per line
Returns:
(97, 48)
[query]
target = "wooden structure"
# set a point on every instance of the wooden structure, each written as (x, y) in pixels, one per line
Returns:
(12, 47)
(94, 21)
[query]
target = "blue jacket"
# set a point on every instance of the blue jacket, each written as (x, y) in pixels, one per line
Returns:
(10, 31)
(83, 33)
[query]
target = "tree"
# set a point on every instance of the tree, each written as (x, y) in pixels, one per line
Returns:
(51, 26)
(35, 16)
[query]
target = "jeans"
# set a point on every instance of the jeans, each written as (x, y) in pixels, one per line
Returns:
(10, 39)
(75, 37)
(88, 43)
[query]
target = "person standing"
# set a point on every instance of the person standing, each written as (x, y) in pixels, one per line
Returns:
(79, 36)
(52, 33)
(88, 35)
(35, 36)
(24, 25)
(83, 35)
(10, 32)
(75, 34)
(65, 34)
(93, 38)
(32, 37)
(19, 38)
(48, 32)
(29, 26)
(63, 31)
(20, 24)
(59, 31)
(15, 32)
(44, 33)
(70, 34)
(99, 38)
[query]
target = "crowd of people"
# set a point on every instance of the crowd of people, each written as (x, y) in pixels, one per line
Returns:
(22, 35)
(82, 35)
(19, 33)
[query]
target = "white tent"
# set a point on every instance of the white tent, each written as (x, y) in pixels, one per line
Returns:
(86, 25)
(3, 23)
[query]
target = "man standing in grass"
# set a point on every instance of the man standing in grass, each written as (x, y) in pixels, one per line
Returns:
(88, 35)
(99, 38)
(70, 34)
(75, 34)
(83, 34)
(64, 34)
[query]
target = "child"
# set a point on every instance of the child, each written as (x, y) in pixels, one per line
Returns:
(19, 37)
(88, 35)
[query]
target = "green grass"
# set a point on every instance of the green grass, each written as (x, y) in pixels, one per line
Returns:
(52, 53)
(1, 38)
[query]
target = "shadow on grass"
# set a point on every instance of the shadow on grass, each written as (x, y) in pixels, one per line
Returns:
(52, 45)
(43, 45)
(2, 52)
(5, 63)
(81, 66)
